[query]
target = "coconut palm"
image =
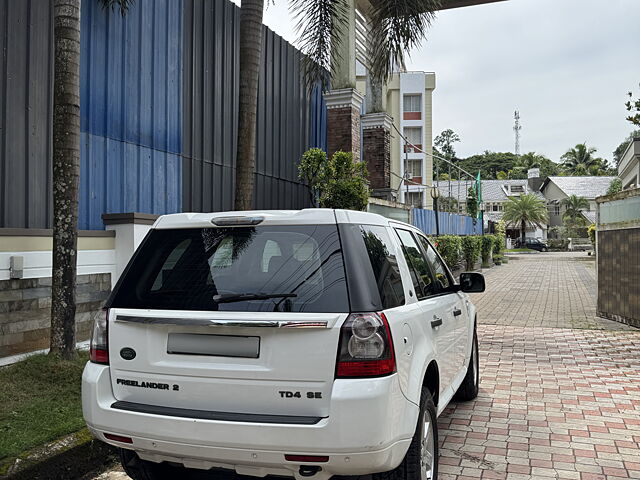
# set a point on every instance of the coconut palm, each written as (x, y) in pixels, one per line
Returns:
(578, 160)
(66, 170)
(574, 205)
(395, 28)
(525, 210)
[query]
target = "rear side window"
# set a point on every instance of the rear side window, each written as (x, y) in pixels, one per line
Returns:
(418, 266)
(442, 277)
(216, 268)
(384, 265)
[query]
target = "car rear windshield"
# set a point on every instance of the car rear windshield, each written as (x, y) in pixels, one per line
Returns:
(300, 268)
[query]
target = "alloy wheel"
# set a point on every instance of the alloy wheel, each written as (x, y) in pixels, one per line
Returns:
(427, 448)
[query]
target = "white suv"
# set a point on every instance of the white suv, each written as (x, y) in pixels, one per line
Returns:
(299, 343)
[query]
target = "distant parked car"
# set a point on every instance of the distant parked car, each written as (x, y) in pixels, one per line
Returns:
(533, 244)
(580, 245)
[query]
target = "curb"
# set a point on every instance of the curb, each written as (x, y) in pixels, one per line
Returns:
(71, 456)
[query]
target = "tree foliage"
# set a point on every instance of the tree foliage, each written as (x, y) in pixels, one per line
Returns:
(525, 210)
(338, 182)
(449, 247)
(471, 247)
(615, 186)
(581, 160)
(633, 106)
(472, 202)
(574, 205)
(489, 163)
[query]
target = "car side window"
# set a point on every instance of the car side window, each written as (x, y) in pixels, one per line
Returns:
(384, 265)
(438, 266)
(418, 267)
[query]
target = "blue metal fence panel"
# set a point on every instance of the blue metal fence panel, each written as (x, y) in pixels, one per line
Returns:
(123, 177)
(449, 223)
(131, 110)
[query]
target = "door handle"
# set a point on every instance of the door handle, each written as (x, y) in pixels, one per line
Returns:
(436, 322)
(457, 312)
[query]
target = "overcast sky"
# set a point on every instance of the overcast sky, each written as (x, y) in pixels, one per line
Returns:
(566, 65)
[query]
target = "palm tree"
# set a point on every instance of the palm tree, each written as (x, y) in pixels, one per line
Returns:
(395, 28)
(579, 159)
(66, 170)
(574, 205)
(525, 210)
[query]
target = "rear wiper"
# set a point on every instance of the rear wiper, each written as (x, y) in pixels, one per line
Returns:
(242, 297)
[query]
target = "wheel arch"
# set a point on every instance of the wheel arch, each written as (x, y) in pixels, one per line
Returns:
(431, 381)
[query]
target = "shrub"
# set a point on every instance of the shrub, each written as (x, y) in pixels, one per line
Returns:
(471, 247)
(591, 231)
(486, 247)
(558, 243)
(449, 247)
(498, 245)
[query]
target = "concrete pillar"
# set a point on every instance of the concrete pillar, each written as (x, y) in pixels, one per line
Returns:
(376, 144)
(343, 121)
(130, 228)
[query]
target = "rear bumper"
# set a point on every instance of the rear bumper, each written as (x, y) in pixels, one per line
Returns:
(369, 429)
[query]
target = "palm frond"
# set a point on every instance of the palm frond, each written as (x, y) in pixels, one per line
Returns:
(318, 22)
(123, 5)
(397, 26)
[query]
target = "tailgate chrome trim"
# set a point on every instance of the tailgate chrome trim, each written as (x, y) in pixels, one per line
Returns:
(219, 416)
(210, 322)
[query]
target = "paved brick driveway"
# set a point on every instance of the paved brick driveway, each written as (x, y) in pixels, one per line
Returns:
(560, 392)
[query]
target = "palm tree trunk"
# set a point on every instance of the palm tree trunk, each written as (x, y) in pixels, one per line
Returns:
(66, 172)
(250, 59)
(523, 234)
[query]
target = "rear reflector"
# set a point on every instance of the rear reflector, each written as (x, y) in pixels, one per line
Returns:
(306, 459)
(118, 438)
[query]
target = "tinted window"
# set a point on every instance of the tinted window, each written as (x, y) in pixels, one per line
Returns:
(420, 273)
(184, 269)
(384, 265)
(442, 277)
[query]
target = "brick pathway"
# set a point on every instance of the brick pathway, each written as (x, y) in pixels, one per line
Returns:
(547, 289)
(553, 403)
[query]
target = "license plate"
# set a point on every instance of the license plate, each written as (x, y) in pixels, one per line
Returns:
(213, 345)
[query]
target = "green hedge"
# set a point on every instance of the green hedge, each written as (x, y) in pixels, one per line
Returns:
(471, 247)
(450, 248)
(487, 243)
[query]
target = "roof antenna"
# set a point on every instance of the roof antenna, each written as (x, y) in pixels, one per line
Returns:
(516, 128)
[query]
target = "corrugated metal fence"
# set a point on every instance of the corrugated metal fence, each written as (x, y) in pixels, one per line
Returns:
(26, 100)
(449, 223)
(159, 92)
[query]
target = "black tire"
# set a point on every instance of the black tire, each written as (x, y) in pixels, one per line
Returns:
(411, 466)
(468, 389)
(139, 469)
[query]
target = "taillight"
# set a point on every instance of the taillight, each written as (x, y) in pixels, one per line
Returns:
(366, 347)
(99, 346)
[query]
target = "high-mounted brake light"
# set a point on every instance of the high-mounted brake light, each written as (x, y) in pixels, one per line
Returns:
(99, 346)
(236, 221)
(366, 347)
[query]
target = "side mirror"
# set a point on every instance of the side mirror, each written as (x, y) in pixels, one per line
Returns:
(471, 282)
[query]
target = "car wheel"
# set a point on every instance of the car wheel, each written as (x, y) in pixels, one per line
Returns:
(421, 460)
(139, 469)
(544, 249)
(468, 389)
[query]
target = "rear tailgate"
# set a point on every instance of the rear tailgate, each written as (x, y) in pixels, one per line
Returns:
(216, 368)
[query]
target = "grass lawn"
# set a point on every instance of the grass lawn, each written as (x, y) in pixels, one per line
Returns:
(39, 402)
(520, 250)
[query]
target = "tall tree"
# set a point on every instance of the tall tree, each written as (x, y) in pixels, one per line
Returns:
(250, 56)
(395, 28)
(66, 170)
(66, 174)
(573, 208)
(578, 160)
(525, 210)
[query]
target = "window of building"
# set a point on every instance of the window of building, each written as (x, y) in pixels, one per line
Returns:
(414, 199)
(414, 137)
(414, 168)
(495, 207)
(556, 210)
(413, 103)
(517, 188)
